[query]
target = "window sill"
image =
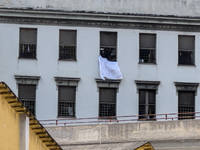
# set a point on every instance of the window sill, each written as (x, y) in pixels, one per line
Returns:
(186, 65)
(28, 58)
(67, 60)
(147, 63)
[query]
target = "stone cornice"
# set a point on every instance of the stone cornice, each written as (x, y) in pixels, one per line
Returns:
(94, 19)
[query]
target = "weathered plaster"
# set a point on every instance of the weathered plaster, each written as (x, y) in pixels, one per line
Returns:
(164, 7)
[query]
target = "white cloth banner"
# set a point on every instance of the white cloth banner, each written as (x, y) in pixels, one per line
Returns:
(109, 69)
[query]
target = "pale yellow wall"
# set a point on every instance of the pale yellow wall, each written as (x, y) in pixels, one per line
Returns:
(145, 147)
(34, 142)
(9, 127)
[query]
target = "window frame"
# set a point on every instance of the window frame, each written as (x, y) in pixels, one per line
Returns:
(28, 80)
(188, 116)
(74, 101)
(188, 87)
(75, 51)
(24, 100)
(66, 81)
(107, 84)
(141, 61)
(107, 103)
(114, 47)
(147, 85)
(186, 64)
(35, 44)
(148, 116)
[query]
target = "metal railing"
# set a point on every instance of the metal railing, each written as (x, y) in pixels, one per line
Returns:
(118, 119)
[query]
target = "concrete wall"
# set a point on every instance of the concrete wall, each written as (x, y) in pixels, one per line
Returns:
(126, 132)
(164, 7)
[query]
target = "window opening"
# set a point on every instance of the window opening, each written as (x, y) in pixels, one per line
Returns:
(67, 46)
(147, 48)
(28, 40)
(108, 45)
(186, 103)
(66, 101)
(186, 48)
(147, 101)
(107, 102)
(27, 96)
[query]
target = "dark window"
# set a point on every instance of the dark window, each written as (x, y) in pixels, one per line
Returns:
(28, 40)
(147, 100)
(66, 101)
(27, 96)
(186, 103)
(107, 102)
(147, 48)
(67, 46)
(186, 46)
(108, 45)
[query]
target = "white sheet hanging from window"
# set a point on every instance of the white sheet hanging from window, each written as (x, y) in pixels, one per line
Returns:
(109, 69)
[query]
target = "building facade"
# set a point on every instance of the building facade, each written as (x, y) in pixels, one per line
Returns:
(49, 57)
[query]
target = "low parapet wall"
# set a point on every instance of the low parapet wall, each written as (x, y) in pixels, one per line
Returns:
(126, 132)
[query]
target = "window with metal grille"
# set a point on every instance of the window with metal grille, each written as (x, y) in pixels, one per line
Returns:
(27, 96)
(108, 45)
(107, 102)
(186, 48)
(67, 46)
(186, 104)
(28, 40)
(147, 48)
(147, 99)
(66, 101)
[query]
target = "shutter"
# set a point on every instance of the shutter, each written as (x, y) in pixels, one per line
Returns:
(27, 91)
(67, 93)
(108, 39)
(28, 36)
(152, 96)
(186, 42)
(148, 41)
(142, 96)
(68, 37)
(107, 95)
(186, 98)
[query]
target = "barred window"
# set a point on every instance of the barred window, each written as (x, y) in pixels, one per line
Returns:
(186, 55)
(27, 96)
(147, 48)
(107, 102)
(28, 40)
(108, 45)
(67, 46)
(186, 104)
(66, 101)
(147, 105)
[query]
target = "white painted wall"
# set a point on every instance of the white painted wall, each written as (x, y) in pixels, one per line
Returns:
(164, 7)
(87, 98)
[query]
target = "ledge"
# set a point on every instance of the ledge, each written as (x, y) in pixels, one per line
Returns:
(99, 80)
(67, 79)
(27, 77)
(147, 82)
(186, 84)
